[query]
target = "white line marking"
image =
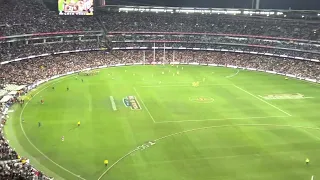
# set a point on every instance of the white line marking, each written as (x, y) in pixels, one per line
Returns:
(208, 127)
(262, 100)
(24, 133)
(311, 134)
(187, 85)
(223, 157)
(285, 98)
(221, 119)
(144, 104)
(236, 125)
(311, 177)
(149, 83)
(117, 162)
(307, 97)
(232, 75)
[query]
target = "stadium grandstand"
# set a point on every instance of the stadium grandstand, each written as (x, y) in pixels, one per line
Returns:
(37, 45)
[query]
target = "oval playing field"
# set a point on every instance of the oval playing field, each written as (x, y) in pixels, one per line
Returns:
(171, 122)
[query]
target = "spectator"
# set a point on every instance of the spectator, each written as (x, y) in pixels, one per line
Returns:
(29, 71)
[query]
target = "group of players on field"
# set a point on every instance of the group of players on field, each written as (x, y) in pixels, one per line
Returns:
(307, 161)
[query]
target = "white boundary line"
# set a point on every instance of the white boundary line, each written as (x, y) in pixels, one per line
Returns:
(232, 75)
(221, 119)
(207, 127)
(144, 105)
(24, 133)
(262, 100)
(117, 162)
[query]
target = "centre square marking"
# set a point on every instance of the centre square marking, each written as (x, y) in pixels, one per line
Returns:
(204, 103)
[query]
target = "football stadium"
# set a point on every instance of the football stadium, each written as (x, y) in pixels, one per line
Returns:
(116, 92)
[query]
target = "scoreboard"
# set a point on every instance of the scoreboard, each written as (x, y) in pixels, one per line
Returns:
(75, 7)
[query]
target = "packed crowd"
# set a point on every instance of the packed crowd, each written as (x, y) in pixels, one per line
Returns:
(12, 166)
(210, 23)
(26, 17)
(29, 71)
(218, 39)
(213, 45)
(6, 153)
(32, 16)
(19, 170)
(25, 50)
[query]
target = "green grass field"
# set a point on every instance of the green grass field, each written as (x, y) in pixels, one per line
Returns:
(226, 128)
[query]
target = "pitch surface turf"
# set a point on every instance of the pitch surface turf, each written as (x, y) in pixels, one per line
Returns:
(228, 130)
